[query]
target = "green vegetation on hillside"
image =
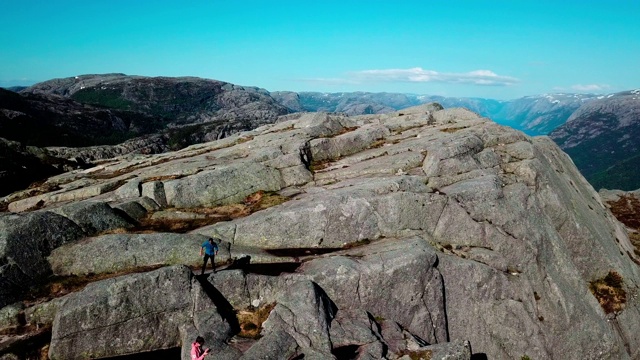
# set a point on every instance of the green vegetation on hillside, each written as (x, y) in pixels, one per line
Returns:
(104, 97)
(623, 175)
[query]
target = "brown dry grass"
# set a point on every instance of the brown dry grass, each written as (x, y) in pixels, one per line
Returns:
(610, 292)
(163, 177)
(416, 354)
(62, 285)
(319, 165)
(34, 189)
(635, 241)
(255, 202)
(357, 244)
(251, 320)
(244, 139)
(32, 344)
(180, 226)
(288, 128)
(104, 174)
(627, 211)
(262, 200)
(377, 144)
(344, 131)
(452, 129)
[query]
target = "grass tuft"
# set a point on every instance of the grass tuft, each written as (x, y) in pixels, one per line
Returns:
(416, 354)
(251, 320)
(609, 292)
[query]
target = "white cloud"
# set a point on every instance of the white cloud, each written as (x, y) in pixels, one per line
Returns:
(591, 87)
(419, 75)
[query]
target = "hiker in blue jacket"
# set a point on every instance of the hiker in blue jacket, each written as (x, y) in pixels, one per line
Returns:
(209, 249)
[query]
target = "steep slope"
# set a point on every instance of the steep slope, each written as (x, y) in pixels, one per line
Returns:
(602, 139)
(40, 120)
(371, 236)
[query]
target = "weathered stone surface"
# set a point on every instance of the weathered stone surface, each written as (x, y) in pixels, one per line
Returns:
(218, 349)
(454, 115)
(9, 315)
(119, 252)
(155, 190)
(387, 165)
(321, 124)
(451, 156)
(274, 345)
(346, 144)
(225, 185)
(398, 339)
(460, 350)
(348, 214)
(25, 241)
(59, 196)
(401, 272)
(305, 313)
(295, 176)
(149, 308)
(148, 203)
(132, 208)
(92, 216)
(353, 327)
(131, 189)
(43, 314)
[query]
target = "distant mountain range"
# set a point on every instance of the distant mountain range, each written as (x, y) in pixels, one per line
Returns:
(601, 133)
(535, 115)
(603, 139)
(87, 114)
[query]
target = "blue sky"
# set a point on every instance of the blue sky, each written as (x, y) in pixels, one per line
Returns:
(496, 49)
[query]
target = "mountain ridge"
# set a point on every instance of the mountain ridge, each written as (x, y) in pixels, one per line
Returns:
(602, 136)
(535, 115)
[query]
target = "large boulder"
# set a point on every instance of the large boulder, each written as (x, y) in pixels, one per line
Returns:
(94, 216)
(400, 271)
(403, 273)
(226, 185)
(25, 242)
(135, 313)
(304, 312)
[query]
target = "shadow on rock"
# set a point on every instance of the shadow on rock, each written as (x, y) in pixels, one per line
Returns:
(224, 307)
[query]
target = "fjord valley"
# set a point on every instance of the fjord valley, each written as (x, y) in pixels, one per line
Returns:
(602, 139)
(349, 225)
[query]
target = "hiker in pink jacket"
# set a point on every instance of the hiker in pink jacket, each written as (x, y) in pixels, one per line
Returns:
(196, 349)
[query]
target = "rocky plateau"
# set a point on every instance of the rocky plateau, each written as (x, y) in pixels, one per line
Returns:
(425, 233)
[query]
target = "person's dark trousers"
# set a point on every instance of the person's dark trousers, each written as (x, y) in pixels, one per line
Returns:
(213, 262)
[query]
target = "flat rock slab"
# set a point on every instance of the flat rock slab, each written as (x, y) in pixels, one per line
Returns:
(121, 252)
